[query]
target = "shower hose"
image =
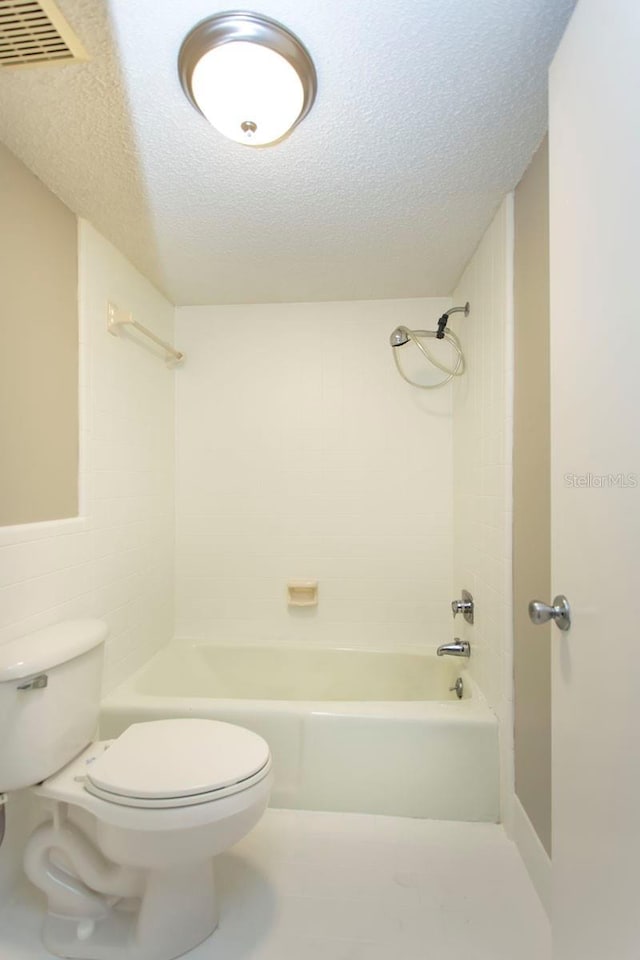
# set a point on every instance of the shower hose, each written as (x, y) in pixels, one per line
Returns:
(416, 337)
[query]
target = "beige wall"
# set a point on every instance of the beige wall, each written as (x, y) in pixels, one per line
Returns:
(531, 478)
(39, 350)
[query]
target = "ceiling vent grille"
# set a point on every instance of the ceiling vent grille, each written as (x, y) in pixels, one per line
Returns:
(35, 32)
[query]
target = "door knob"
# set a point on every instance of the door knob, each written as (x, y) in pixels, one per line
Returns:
(560, 612)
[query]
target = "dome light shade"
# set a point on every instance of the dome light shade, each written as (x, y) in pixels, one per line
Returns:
(249, 76)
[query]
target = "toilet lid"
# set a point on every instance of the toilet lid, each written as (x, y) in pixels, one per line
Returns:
(178, 758)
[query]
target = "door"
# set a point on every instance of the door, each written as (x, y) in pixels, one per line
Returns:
(594, 133)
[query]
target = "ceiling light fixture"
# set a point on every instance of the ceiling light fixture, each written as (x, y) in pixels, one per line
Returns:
(248, 75)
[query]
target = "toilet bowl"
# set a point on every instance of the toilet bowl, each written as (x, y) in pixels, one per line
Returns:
(164, 799)
(126, 857)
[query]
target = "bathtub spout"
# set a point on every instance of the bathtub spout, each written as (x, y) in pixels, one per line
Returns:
(459, 648)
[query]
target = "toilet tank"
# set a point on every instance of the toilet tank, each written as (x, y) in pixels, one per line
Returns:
(49, 699)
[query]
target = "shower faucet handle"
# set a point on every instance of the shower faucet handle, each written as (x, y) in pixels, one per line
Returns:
(463, 606)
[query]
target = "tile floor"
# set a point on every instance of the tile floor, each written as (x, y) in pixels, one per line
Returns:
(325, 886)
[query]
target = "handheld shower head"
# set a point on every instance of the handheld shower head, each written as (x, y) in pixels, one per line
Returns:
(398, 338)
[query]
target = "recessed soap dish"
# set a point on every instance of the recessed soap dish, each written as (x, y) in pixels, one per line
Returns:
(302, 593)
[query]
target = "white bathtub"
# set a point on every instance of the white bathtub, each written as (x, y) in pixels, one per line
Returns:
(349, 730)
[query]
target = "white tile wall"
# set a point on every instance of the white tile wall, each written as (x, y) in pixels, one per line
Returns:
(116, 560)
(482, 468)
(302, 454)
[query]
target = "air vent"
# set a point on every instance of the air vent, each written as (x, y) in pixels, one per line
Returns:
(35, 32)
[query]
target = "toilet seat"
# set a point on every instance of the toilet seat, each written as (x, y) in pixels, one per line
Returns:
(191, 800)
(177, 763)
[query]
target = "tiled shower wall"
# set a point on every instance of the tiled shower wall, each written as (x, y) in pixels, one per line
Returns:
(301, 454)
(116, 560)
(482, 467)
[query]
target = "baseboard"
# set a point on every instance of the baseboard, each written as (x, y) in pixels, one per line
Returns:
(535, 857)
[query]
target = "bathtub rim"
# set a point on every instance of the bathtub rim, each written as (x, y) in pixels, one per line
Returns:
(474, 706)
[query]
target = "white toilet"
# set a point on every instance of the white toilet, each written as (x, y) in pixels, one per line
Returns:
(126, 860)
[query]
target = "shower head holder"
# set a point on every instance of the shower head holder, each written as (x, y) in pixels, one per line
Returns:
(442, 322)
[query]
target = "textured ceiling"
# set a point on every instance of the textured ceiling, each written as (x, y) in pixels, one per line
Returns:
(428, 112)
